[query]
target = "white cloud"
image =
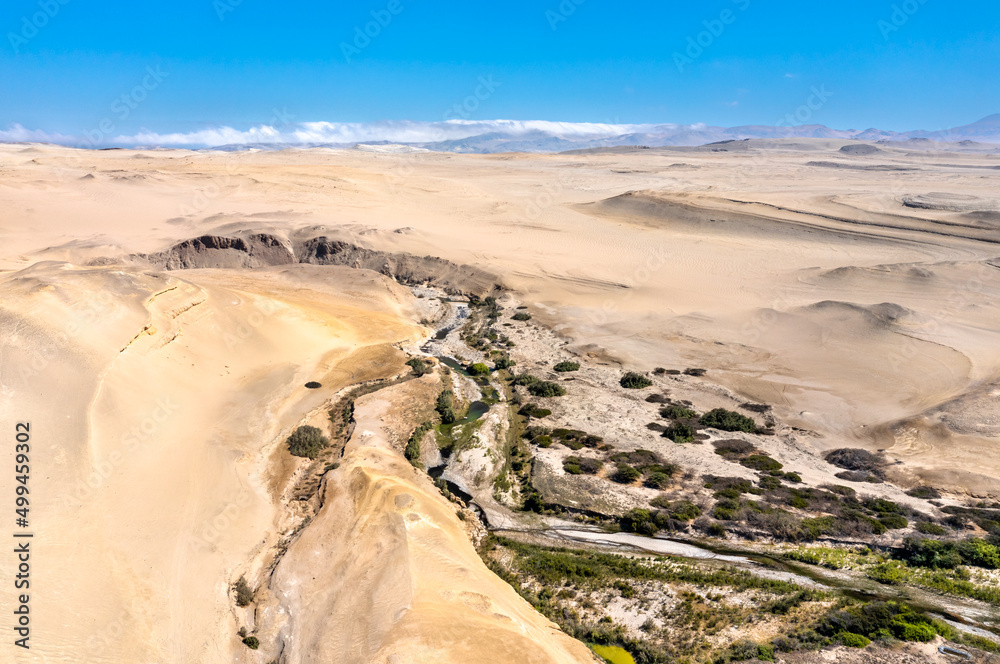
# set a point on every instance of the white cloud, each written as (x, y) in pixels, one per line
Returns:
(16, 133)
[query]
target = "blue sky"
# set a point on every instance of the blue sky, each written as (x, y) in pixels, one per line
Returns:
(897, 66)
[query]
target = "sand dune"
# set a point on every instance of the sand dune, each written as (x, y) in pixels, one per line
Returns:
(861, 304)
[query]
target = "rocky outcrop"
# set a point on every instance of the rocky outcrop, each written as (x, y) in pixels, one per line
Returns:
(215, 251)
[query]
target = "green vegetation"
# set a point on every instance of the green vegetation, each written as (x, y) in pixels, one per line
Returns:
(251, 642)
(419, 366)
(852, 640)
(307, 441)
(613, 654)
(634, 381)
(522, 316)
(478, 369)
(582, 465)
(626, 474)
(412, 451)
(761, 462)
(680, 433)
(244, 593)
(563, 367)
(675, 412)
(744, 650)
(445, 407)
(727, 420)
(544, 388)
(313, 385)
(503, 361)
(531, 410)
(525, 379)
(859, 461)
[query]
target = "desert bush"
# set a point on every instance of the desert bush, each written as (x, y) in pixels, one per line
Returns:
(839, 489)
(251, 642)
(695, 372)
(626, 474)
(307, 441)
(727, 420)
(445, 406)
(525, 379)
(582, 465)
(313, 385)
(930, 528)
(522, 316)
(744, 650)
(638, 521)
(859, 476)
(675, 412)
(680, 433)
(657, 480)
(852, 458)
(634, 381)
(716, 530)
(576, 439)
(925, 492)
(531, 410)
(503, 362)
(244, 593)
(563, 367)
(733, 447)
(769, 483)
(657, 398)
(478, 369)
(761, 462)
(684, 510)
(544, 388)
(852, 640)
(795, 478)
(893, 521)
(887, 573)
(419, 366)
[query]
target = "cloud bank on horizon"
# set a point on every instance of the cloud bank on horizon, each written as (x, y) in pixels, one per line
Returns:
(483, 135)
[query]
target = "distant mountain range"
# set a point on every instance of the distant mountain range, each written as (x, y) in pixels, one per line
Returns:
(491, 136)
(520, 139)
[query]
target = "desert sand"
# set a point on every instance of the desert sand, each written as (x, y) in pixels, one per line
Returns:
(856, 293)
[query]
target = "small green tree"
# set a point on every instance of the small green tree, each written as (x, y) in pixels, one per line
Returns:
(563, 367)
(479, 369)
(446, 406)
(727, 420)
(544, 388)
(634, 381)
(307, 441)
(244, 593)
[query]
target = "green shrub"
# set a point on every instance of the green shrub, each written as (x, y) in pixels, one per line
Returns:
(887, 573)
(979, 553)
(925, 492)
(503, 362)
(657, 480)
(525, 379)
(638, 521)
(761, 462)
(675, 412)
(684, 510)
(626, 474)
(545, 388)
(412, 451)
(563, 367)
(744, 650)
(251, 642)
(531, 410)
(893, 521)
(479, 369)
(313, 385)
(521, 315)
(910, 632)
(733, 447)
(857, 460)
(419, 366)
(680, 433)
(930, 528)
(244, 593)
(716, 530)
(634, 381)
(769, 483)
(445, 407)
(307, 441)
(852, 640)
(727, 420)
(793, 477)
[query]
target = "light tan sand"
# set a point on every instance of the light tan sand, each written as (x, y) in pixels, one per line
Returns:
(863, 304)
